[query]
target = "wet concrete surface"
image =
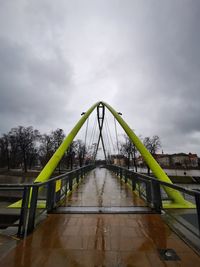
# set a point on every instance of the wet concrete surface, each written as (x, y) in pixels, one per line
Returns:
(94, 240)
(100, 240)
(101, 188)
(7, 243)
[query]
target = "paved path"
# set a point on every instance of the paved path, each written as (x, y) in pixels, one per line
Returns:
(101, 188)
(100, 240)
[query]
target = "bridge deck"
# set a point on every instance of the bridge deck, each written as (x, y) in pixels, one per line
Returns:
(88, 240)
(100, 188)
(100, 240)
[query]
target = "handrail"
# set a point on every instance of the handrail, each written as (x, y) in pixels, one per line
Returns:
(151, 192)
(52, 199)
(142, 176)
(146, 177)
(38, 184)
(54, 193)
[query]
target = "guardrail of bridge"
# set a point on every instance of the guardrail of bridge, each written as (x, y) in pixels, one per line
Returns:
(38, 198)
(151, 191)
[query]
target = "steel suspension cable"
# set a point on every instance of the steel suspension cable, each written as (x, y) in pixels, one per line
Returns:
(86, 132)
(116, 134)
(111, 139)
(94, 140)
(107, 136)
(93, 133)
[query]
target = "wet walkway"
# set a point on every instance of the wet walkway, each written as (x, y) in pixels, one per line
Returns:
(100, 240)
(101, 188)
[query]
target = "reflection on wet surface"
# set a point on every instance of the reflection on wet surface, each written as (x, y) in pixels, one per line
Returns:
(101, 188)
(94, 240)
(100, 240)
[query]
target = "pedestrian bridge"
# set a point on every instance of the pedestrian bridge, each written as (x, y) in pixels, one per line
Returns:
(101, 192)
(98, 216)
(101, 215)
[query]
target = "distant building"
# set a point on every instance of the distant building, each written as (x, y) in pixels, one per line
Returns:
(119, 160)
(182, 160)
(140, 161)
(163, 159)
(194, 160)
(177, 160)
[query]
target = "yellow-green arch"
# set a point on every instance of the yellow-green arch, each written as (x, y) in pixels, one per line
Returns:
(57, 156)
(177, 199)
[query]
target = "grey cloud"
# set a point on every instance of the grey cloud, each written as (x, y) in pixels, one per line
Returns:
(32, 88)
(58, 57)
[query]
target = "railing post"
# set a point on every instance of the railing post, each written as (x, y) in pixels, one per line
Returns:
(77, 176)
(120, 173)
(81, 173)
(133, 182)
(125, 176)
(32, 210)
(148, 192)
(117, 171)
(70, 182)
(66, 184)
(139, 185)
(197, 200)
(24, 212)
(50, 196)
(157, 201)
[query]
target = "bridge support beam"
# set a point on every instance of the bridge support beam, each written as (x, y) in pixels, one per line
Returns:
(177, 199)
(57, 156)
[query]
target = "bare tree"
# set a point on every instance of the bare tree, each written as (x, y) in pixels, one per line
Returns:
(57, 138)
(32, 156)
(49, 144)
(24, 147)
(80, 151)
(4, 151)
(129, 150)
(25, 138)
(70, 156)
(15, 154)
(153, 145)
(46, 149)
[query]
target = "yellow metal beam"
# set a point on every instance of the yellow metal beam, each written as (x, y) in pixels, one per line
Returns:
(57, 156)
(175, 196)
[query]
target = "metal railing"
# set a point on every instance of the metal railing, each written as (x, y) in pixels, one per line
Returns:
(151, 190)
(40, 197)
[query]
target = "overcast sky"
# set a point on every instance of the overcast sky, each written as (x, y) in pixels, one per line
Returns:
(57, 58)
